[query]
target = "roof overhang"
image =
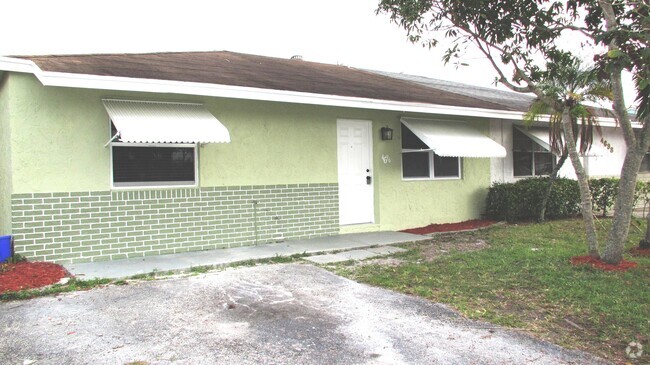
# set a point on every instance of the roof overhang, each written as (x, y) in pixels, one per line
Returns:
(86, 81)
(453, 139)
(163, 122)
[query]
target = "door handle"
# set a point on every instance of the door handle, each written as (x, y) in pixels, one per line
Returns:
(368, 180)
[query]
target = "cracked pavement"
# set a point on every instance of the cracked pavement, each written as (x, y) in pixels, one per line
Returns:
(273, 314)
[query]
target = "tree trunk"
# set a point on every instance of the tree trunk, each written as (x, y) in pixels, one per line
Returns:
(636, 148)
(549, 186)
(583, 183)
(623, 207)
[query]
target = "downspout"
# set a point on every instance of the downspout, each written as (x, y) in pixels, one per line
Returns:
(255, 229)
(503, 163)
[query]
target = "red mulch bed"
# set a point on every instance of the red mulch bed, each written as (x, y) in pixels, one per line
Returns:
(450, 227)
(29, 275)
(645, 252)
(624, 265)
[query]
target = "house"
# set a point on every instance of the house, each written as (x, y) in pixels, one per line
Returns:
(126, 155)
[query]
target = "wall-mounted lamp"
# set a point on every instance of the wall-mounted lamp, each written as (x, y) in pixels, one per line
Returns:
(386, 134)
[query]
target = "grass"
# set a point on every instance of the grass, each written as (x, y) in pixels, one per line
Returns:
(524, 280)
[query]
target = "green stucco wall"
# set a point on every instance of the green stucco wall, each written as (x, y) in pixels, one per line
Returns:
(67, 130)
(5, 159)
(272, 143)
(58, 135)
(57, 138)
(407, 204)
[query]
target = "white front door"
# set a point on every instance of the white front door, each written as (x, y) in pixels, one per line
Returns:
(356, 197)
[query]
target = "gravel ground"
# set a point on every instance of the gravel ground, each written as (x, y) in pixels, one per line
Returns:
(275, 314)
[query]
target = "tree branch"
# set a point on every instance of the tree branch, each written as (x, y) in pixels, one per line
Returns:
(484, 46)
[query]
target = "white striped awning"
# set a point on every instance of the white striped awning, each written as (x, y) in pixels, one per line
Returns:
(453, 139)
(164, 122)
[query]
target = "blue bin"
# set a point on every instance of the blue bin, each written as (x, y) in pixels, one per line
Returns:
(5, 248)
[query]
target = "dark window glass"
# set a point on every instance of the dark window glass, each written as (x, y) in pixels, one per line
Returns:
(528, 157)
(410, 141)
(445, 166)
(520, 141)
(134, 165)
(543, 163)
(415, 164)
(523, 163)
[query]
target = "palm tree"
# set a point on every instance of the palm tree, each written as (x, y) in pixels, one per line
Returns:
(571, 125)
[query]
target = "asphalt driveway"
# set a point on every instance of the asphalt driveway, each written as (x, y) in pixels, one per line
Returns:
(275, 314)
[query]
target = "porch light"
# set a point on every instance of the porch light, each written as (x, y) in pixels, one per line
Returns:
(386, 134)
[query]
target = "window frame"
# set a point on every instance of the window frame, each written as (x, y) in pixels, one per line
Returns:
(154, 184)
(531, 153)
(431, 167)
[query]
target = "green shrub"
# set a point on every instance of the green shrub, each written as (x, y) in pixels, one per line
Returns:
(564, 201)
(522, 200)
(500, 202)
(603, 193)
(642, 195)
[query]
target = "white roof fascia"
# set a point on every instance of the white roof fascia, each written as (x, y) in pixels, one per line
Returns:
(249, 93)
(17, 65)
(86, 81)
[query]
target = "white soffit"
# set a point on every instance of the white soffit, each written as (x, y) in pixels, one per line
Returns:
(538, 135)
(453, 139)
(163, 122)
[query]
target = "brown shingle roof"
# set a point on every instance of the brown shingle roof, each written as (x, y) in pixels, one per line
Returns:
(236, 69)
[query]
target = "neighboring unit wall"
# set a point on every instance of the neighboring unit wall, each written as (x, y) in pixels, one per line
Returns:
(501, 169)
(600, 162)
(5, 159)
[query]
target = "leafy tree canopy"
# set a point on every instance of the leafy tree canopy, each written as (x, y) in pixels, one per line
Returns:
(519, 32)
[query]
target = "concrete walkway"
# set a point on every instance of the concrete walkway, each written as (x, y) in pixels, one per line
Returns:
(142, 265)
(359, 254)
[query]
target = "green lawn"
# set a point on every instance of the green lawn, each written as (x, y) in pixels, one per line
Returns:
(523, 279)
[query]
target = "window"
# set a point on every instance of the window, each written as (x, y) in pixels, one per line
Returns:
(163, 164)
(419, 161)
(529, 158)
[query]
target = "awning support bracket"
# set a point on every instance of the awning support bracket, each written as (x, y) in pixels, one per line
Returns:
(116, 136)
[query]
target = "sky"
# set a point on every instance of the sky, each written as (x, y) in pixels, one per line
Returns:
(347, 32)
